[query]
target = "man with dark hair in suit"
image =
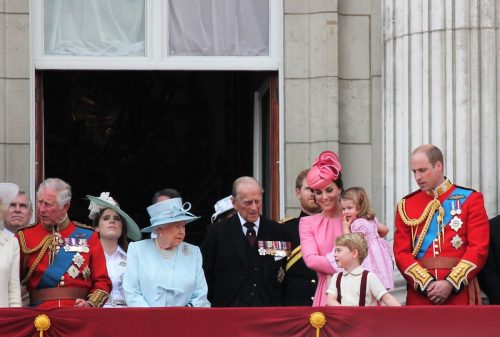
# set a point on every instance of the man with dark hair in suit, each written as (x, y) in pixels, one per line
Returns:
(244, 256)
(489, 277)
(300, 281)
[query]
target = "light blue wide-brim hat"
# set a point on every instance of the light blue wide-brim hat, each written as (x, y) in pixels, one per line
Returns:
(105, 201)
(168, 211)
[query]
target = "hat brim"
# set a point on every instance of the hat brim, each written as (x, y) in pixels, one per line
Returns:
(166, 221)
(133, 230)
(7, 192)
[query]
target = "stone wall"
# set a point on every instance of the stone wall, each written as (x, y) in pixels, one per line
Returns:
(14, 92)
(332, 71)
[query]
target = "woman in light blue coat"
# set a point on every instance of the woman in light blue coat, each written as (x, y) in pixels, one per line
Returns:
(166, 271)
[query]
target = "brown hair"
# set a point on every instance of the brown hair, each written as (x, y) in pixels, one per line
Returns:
(359, 197)
(354, 241)
(300, 179)
(122, 240)
(432, 152)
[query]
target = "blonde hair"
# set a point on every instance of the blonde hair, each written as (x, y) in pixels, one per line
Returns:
(359, 197)
(354, 241)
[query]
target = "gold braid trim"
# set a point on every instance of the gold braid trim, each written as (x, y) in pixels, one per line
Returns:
(459, 273)
(42, 246)
(433, 206)
(98, 298)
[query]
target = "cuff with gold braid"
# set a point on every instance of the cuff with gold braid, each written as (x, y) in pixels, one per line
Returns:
(98, 298)
(420, 276)
(458, 275)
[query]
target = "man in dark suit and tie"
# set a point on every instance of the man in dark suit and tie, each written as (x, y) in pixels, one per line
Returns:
(244, 256)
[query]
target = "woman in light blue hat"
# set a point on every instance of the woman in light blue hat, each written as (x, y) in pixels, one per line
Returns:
(114, 226)
(166, 271)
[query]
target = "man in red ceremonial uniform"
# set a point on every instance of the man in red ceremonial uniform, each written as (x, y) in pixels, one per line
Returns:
(441, 237)
(62, 262)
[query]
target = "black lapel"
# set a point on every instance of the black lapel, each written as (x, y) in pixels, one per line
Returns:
(237, 238)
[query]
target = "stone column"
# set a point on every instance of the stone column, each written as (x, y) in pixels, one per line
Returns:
(440, 85)
(14, 92)
(311, 117)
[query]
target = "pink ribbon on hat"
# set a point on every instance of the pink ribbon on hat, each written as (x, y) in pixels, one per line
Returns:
(325, 169)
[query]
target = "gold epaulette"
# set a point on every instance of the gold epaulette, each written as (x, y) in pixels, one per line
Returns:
(25, 227)
(79, 224)
(98, 298)
(420, 276)
(458, 274)
(286, 219)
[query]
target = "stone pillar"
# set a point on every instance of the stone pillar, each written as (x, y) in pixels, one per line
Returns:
(14, 92)
(440, 85)
(311, 121)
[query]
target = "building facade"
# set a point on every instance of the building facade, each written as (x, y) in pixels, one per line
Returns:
(369, 79)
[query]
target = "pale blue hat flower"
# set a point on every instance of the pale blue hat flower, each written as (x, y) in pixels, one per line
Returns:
(168, 211)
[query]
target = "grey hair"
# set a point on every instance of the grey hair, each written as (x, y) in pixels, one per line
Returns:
(244, 180)
(30, 205)
(62, 188)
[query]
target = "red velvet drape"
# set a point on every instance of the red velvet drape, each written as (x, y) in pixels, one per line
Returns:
(235, 322)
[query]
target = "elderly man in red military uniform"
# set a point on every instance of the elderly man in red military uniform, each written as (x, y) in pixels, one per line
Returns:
(441, 237)
(62, 262)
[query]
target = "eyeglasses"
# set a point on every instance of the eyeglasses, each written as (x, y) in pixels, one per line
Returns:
(18, 204)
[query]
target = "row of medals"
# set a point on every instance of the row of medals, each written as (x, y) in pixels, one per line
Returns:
(274, 248)
(456, 223)
(70, 245)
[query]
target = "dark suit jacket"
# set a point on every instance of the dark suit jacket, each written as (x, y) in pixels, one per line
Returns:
(489, 277)
(226, 266)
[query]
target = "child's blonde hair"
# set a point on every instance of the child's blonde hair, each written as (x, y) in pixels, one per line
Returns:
(354, 241)
(359, 197)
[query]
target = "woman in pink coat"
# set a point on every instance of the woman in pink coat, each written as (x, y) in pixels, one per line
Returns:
(318, 232)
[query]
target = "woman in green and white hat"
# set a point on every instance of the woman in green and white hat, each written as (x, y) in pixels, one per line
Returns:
(108, 220)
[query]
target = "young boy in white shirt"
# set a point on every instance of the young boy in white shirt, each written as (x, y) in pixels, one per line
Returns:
(347, 286)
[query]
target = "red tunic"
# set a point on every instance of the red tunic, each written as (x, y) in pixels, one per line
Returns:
(97, 282)
(467, 253)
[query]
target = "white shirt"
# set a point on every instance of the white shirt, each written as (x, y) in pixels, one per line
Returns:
(116, 265)
(350, 286)
(6, 231)
(255, 225)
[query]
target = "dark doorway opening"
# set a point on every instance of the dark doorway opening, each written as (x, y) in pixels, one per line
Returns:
(134, 132)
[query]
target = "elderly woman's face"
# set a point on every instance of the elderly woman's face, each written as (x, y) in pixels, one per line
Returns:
(173, 233)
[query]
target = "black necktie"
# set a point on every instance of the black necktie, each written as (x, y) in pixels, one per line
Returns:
(251, 236)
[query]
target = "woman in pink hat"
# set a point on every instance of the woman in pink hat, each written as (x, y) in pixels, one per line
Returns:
(318, 232)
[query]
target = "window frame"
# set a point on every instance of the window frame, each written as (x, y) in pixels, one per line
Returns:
(156, 47)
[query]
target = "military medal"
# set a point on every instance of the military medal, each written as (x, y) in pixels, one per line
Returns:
(78, 260)
(456, 242)
(86, 272)
(456, 223)
(73, 271)
(281, 275)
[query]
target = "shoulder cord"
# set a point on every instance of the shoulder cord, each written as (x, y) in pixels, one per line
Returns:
(433, 206)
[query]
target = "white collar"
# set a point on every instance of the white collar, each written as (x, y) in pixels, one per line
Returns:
(356, 271)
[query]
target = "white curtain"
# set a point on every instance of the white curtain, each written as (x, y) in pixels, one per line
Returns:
(219, 27)
(94, 27)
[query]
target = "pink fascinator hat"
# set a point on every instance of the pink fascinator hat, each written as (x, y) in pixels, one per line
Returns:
(325, 169)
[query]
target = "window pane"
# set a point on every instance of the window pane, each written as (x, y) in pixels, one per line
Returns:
(94, 27)
(219, 27)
